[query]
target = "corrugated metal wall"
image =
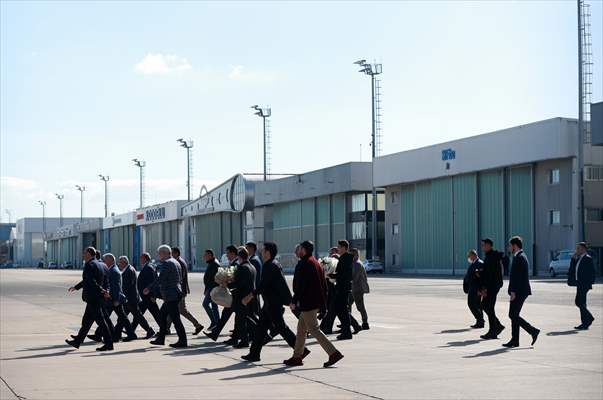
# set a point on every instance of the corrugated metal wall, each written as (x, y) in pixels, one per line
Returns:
(491, 207)
(465, 219)
(520, 218)
(407, 227)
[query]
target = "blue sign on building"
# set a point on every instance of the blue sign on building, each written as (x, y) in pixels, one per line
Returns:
(448, 154)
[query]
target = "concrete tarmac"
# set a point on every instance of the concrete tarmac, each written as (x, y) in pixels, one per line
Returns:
(419, 347)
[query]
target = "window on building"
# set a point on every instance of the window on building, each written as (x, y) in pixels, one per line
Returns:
(395, 229)
(359, 202)
(554, 217)
(593, 172)
(380, 202)
(554, 176)
(358, 230)
(594, 214)
(249, 218)
(394, 197)
(394, 259)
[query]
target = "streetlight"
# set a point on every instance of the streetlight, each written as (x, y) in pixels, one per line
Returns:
(372, 70)
(82, 189)
(141, 164)
(60, 197)
(188, 145)
(43, 204)
(106, 180)
(10, 215)
(263, 113)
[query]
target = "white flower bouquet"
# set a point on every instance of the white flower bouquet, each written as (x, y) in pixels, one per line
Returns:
(221, 296)
(224, 276)
(329, 264)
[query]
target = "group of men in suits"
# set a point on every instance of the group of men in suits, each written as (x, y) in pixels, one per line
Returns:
(484, 279)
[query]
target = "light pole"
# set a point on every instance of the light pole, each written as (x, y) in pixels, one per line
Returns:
(263, 113)
(141, 164)
(60, 197)
(10, 215)
(188, 145)
(372, 70)
(82, 189)
(106, 180)
(43, 204)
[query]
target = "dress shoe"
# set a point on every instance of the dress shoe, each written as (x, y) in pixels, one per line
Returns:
(333, 358)
(241, 345)
(498, 330)
(293, 362)
(510, 344)
(250, 358)
(489, 336)
(150, 334)
(73, 343)
(211, 335)
(535, 336)
(97, 339)
(107, 347)
(198, 329)
(344, 336)
(179, 345)
(365, 326)
(356, 330)
(230, 342)
(327, 332)
(477, 325)
(305, 354)
(74, 337)
(581, 327)
(129, 338)
(158, 342)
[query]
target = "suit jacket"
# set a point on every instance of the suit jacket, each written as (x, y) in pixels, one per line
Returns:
(492, 275)
(273, 286)
(343, 276)
(244, 282)
(184, 271)
(169, 280)
(519, 279)
(147, 276)
(128, 276)
(359, 278)
(309, 285)
(471, 282)
(586, 273)
(93, 277)
(257, 264)
(116, 285)
(210, 274)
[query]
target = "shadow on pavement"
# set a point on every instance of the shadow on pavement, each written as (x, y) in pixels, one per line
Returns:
(495, 352)
(231, 367)
(46, 355)
(267, 372)
(120, 352)
(462, 343)
(563, 333)
(204, 348)
(453, 331)
(56, 346)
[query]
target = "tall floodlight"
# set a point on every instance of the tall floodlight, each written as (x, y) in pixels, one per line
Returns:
(106, 180)
(43, 204)
(10, 215)
(82, 189)
(265, 113)
(60, 197)
(141, 164)
(373, 70)
(188, 145)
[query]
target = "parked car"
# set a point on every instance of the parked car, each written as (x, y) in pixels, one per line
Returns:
(7, 265)
(560, 264)
(52, 265)
(68, 265)
(373, 266)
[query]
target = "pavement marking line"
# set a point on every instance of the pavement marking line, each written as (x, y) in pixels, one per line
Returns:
(305, 378)
(11, 389)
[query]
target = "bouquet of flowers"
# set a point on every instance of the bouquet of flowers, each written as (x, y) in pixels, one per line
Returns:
(224, 276)
(329, 264)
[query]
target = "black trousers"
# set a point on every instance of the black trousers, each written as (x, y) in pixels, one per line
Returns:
(516, 320)
(270, 318)
(146, 304)
(343, 312)
(585, 316)
(243, 329)
(488, 305)
(122, 322)
(226, 314)
(327, 322)
(95, 312)
(474, 303)
(137, 317)
(170, 308)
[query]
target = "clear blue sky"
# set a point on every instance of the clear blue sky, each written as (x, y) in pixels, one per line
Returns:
(87, 86)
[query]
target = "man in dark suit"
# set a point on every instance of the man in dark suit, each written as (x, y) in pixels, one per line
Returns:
(170, 288)
(471, 286)
(276, 294)
(209, 281)
(326, 325)
(118, 299)
(93, 295)
(256, 261)
(519, 290)
(582, 275)
(244, 284)
(343, 288)
(185, 291)
(129, 279)
(491, 281)
(147, 276)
